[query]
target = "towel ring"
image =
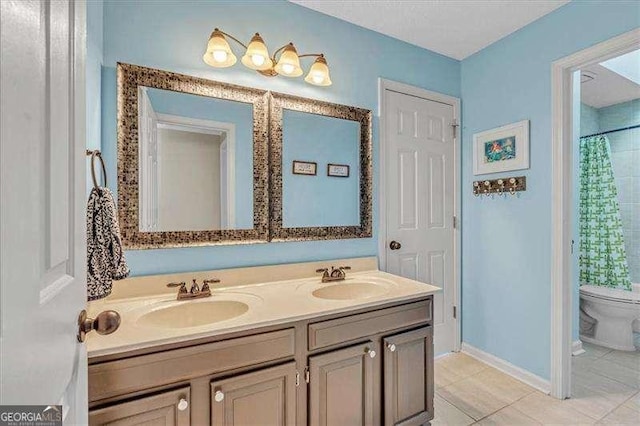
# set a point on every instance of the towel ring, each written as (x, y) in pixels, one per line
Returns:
(95, 154)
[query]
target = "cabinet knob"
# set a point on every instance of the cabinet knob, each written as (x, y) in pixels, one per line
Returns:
(391, 347)
(218, 396)
(183, 404)
(372, 353)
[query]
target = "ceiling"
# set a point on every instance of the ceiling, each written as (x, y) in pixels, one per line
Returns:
(455, 28)
(606, 84)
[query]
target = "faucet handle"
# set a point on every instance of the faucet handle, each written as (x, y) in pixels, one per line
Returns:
(345, 268)
(182, 285)
(195, 289)
(322, 270)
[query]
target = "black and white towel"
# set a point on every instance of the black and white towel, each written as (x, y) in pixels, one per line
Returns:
(105, 257)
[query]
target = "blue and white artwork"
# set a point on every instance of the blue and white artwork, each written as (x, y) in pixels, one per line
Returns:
(500, 150)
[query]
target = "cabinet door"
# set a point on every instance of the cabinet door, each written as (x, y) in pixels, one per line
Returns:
(265, 397)
(408, 377)
(342, 387)
(166, 408)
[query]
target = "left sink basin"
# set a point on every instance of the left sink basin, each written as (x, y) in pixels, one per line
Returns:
(193, 314)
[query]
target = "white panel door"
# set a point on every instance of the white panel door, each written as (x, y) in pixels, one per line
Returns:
(419, 179)
(42, 213)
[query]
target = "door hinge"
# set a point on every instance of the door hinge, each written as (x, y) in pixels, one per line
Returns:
(455, 312)
(297, 378)
(454, 127)
(307, 375)
(455, 222)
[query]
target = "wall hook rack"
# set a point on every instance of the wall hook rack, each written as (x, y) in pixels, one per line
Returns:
(501, 186)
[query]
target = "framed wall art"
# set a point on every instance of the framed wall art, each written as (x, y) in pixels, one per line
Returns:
(308, 168)
(502, 149)
(338, 170)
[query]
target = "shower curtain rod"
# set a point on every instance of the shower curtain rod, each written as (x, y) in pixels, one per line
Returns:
(612, 131)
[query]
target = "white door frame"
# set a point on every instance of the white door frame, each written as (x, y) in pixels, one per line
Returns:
(394, 86)
(562, 203)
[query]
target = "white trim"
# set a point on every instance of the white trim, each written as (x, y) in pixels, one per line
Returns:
(394, 86)
(506, 367)
(576, 348)
(561, 230)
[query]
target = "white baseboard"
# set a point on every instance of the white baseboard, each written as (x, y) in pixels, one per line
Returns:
(508, 368)
(576, 348)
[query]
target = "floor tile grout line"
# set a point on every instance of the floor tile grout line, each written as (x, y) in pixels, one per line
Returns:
(611, 378)
(506, 406)
(533, 390)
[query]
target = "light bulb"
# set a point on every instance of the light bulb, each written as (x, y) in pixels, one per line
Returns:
(317, 78)
(219, 55)
(257, 60)
(287, 68)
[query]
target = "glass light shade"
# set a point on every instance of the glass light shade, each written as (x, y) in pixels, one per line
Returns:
(319, 73)
(289, 64)
(219, 52)
(257, 55)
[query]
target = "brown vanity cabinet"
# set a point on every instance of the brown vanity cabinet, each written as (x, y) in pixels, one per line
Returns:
(408, 377)
(263, 397)
(343, 387)
(165, 408)
(370, 366)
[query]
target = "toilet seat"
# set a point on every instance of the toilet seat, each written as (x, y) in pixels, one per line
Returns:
(612, 294)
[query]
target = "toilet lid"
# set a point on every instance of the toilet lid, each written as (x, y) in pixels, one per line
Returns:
(611, 293)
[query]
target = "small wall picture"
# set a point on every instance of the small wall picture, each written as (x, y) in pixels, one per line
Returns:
(305, 168)
(338, 170)
(501, 149)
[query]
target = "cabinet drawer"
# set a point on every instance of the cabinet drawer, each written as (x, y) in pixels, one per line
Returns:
(141, 372)
(166, 408)
(340, 330)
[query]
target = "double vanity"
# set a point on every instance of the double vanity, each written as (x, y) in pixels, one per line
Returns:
(272, 345)
(338, 343)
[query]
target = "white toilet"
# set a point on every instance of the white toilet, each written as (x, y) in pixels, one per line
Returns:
(614, 312)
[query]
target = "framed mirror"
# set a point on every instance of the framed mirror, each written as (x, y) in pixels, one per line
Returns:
(320, 170)
(192, 160)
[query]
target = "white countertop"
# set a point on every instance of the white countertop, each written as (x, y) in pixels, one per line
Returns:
(270, 303)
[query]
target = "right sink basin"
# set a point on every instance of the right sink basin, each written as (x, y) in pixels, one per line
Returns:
(351, 290)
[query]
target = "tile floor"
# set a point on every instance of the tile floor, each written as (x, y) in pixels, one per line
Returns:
(606, 391)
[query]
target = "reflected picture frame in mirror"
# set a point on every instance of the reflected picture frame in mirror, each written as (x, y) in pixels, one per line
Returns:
(277, 231)
(130, 78)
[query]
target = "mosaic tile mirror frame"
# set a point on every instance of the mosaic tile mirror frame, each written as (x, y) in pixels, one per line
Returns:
(130, 79)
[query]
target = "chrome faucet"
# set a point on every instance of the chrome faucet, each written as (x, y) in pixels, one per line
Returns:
(335, 274)
(195, 292)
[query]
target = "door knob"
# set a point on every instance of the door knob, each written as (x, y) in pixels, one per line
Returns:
(183, 404)
(105, 323)
(394, 245)
(218, 396)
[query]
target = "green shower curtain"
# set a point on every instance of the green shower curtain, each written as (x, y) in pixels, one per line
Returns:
(603, 259)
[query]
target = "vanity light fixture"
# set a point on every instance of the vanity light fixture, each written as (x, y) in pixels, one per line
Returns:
(256, 57)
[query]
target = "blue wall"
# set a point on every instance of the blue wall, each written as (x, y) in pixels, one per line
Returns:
(507, 241)
(320, 200)
(172, 35)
